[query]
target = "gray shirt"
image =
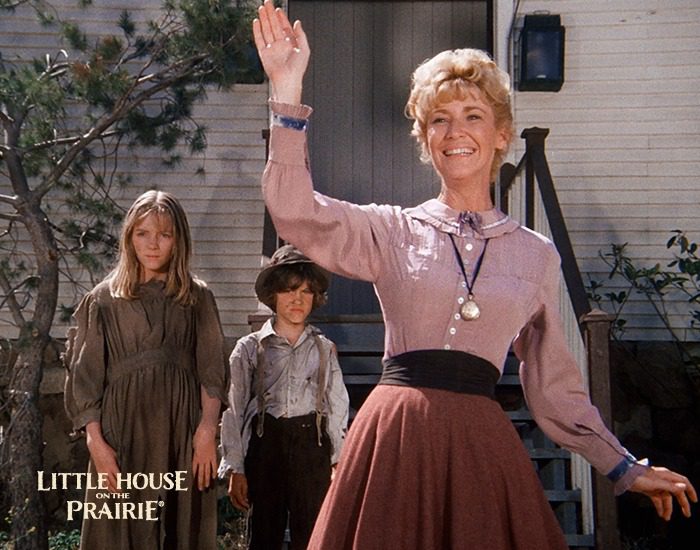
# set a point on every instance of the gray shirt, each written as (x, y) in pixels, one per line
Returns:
(290, 384)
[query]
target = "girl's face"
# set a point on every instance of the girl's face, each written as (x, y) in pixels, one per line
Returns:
(153, 241)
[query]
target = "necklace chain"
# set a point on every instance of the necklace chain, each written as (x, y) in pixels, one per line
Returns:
(469, 310)
(460, 262)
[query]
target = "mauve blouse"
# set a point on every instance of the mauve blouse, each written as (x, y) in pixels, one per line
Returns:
(407, 254)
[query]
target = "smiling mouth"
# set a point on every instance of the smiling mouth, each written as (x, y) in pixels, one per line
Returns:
(463, 151)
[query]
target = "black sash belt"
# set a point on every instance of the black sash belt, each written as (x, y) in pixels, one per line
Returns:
(455, 371)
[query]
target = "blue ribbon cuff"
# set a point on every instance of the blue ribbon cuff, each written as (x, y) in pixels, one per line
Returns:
(621, 469)
(289, 122)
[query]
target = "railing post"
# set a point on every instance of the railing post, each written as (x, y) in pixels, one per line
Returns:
(596, 326)
(505, 181)
(534, 141)
(535, 150)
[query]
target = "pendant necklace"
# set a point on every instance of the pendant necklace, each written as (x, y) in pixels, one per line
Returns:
(469, 310)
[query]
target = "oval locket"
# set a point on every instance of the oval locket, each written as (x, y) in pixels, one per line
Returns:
(469, 310)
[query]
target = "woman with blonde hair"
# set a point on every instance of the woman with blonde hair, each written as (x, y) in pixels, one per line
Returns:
(431, 461)
(147, 376)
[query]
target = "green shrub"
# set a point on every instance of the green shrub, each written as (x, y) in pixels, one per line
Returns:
(64, 540)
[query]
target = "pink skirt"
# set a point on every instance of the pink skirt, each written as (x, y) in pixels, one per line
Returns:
(429, 469)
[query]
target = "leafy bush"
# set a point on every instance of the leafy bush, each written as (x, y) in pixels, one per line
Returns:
(233, 527)
(680, 276)
(64, 540)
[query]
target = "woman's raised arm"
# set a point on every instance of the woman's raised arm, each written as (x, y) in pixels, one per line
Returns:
(283, 50)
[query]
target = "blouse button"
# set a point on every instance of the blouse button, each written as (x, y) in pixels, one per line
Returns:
(460, 300)
(457, 316)
(469, 246)
(447, 346)
(453, 330)
(464, 285)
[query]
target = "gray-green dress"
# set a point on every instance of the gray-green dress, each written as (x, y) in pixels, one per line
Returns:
(137, 367)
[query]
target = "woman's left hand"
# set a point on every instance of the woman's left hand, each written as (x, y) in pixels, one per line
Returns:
(661, 486)
(204, 456)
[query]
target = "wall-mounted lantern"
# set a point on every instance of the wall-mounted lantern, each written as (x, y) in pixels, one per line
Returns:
(541, 52)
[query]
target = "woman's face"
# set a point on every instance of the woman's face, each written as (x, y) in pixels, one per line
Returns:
(153, 241)
(462, 138)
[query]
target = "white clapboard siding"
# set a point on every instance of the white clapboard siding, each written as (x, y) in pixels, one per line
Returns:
(224, 205)
(624, 142)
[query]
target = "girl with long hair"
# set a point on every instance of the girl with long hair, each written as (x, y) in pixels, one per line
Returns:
(147, 377)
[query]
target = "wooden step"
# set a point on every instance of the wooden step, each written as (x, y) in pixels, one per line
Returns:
(361, 379)
(556, 453)
(509, 380)
(563, 495)
(576, 540)
(520, 415)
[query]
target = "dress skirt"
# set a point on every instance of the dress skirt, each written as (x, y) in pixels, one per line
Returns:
(433, 469)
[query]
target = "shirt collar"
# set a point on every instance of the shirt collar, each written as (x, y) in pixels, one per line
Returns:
(268, 330)
(484, 224)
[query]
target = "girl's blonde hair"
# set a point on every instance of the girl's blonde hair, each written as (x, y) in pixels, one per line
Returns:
(450, 76)
(126, 276)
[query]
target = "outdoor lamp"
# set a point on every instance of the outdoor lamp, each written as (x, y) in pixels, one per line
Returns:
(541, 54)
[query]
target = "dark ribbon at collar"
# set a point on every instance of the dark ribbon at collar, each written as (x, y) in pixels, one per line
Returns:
(472, 219)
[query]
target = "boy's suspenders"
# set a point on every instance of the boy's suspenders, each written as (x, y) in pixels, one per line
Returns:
(320, 389)
(260, 386)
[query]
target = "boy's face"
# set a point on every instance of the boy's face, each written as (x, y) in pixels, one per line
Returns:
(294, 306)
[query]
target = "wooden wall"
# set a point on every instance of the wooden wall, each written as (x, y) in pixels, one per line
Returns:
(624, 145)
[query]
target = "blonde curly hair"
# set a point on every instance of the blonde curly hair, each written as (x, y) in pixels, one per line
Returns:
(451, 75)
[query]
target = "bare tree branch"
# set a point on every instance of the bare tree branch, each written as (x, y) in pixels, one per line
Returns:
(7, 199)
(11, 301)
(54, 70)
(5, 118)
(13, 5)
(10, 217)
(123, 106)
(68, 140)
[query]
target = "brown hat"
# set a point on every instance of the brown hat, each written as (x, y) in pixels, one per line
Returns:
(288, 255)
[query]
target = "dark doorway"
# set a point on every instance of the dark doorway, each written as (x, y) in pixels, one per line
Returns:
(362, 56)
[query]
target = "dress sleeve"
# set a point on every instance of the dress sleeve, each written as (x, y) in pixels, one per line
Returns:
(554, 388)
(85, 359)
(343, 237)
(338, 405)
(210, 354)
(233, 441)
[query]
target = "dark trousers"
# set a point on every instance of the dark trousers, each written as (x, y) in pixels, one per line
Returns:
(288, 475)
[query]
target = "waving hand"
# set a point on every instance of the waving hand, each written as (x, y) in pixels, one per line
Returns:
(283, 50)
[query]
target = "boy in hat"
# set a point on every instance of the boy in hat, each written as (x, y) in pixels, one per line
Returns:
(288, 411)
